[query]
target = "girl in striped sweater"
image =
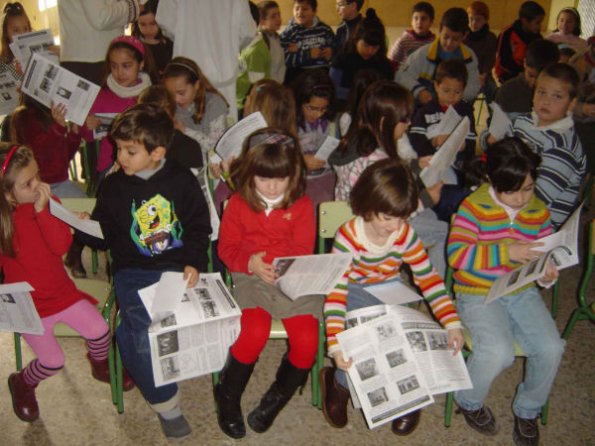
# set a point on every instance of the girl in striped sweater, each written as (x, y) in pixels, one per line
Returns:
(495, 231)
(381, 241)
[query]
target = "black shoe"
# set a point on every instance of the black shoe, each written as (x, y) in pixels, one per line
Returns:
(482, 420)
(526, 432)
(176, 427)
(406, 424)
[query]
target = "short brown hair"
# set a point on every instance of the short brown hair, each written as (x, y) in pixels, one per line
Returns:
(451, 69)
(158, 95)
(386, 187)
(144, 123)
(479, 8)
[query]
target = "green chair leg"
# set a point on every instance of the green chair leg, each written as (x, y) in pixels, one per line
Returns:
(18, 353)
(555, 292)
(448, 409)
(119, 386)
(544, 412)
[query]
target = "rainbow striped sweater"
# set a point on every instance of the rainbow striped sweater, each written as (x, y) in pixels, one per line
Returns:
(372, 264)
(479, 237)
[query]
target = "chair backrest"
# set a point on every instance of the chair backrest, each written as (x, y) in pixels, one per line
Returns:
(79, 204)
(331, 215)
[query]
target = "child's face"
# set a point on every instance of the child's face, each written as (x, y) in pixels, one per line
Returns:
(476, 22)
(148, 26)
(183, 92)
(421, 23)
(366, 50)
(566, 23)
(315, 108)
(272, 21)
(450, 40)
(133, 156)
(518, 199)
(381, 226)
(303, 14)
(25, 185)
(346, 10)
(551, 100)
(271, 188)
(449, 91)
(532, 26)
(124, 67)
(530, 75)
(17, 25)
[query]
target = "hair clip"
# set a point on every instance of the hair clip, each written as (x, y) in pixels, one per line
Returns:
(270, 138)
(185, 65)
(6, 162)
(132, 41)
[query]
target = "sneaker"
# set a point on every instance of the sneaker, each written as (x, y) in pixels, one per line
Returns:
(526, 432)
(482, 420)
(176, 427)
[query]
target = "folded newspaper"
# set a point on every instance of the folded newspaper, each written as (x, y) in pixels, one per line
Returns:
(400, 359)
(24, 45)
(17, 310)
(230, 143)
(9, 96)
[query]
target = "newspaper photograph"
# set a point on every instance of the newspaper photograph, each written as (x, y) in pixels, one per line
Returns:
(9, 95)
(17, 310)
(306, 275)
(48, 83)
(24, 45)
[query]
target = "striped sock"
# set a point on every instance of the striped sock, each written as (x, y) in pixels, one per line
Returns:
(35, 372)
(99, 348)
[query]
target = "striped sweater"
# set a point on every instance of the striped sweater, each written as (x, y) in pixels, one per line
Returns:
(479, 237)
(372, 264)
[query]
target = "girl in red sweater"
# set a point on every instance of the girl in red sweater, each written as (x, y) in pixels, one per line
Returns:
(269, 216)
(32, 243)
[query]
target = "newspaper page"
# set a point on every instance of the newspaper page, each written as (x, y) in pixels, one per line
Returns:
(195, 339)
(445, 155)
(17, 310)
(500, 126)
(9, 95)
(328, 146)
(24, 45)
(447, 124)
(307, 275)
(394, 292)
(105, 122)
(48, 83)
(90, 227)
(203, 179)
(230, 143)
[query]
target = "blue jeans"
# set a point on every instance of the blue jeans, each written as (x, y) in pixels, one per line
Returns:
(433, 234)
(132, 333)
(521, 317)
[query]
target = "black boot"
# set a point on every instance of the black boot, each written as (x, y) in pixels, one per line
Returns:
(228, 394)
(288, 379)
(74, 261)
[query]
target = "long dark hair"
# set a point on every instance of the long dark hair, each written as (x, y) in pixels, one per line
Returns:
(371, 30)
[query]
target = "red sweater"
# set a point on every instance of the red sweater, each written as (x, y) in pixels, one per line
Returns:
(40, 240)
(284, 232)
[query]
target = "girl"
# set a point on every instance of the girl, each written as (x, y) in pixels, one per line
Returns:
(568, 29)
(201, 111)
(381, 241)
(268, 217)
(32, 243)
(14, 22)
(494, 232)
(125, 80)
(147, 30)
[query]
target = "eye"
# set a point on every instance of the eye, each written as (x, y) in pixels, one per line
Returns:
(152, 210)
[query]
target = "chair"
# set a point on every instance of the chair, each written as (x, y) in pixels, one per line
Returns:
(584, 311)
(331, 215)
(481, 98)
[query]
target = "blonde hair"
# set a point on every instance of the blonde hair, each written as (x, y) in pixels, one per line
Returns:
(275, 102)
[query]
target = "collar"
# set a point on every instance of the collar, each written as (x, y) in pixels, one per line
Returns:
(419, 36)
(475, 36)
(270, 204)
(371, 247)
(129, 92)
(558, 126)
(434, 50)
(148, 173)
(512, 213)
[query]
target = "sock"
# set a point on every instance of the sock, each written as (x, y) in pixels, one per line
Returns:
(171, 414)
(35, 372)
(99, 348)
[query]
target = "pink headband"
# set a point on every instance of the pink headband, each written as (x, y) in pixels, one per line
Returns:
(11, 152)
(132, 41)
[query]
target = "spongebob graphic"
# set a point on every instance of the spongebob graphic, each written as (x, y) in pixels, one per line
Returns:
(155, 226)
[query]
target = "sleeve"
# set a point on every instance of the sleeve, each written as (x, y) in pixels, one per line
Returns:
(257, 64)
(102, 15)
(336, 75)
(167, 16)
(245, 24)
(473, 83)
(57, 233)
(418, 134)
(409, 72)
(230, 247)
(553, 174)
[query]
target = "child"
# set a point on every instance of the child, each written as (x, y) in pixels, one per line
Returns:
(154, 218)
(268, 217)
(124, 61)
(381, 241)
(549, 130)
(14, 22)
(349, 12)
(307, 41)
(366, 50)
(513, 41)
(201, 111)
(147, 30)
(263, 58)
(568, 29)
(420, 68)
(494, 232)
(32, 243)
(417, 36)
(484, 43)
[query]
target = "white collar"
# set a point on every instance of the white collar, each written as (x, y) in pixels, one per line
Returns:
(512, 213)
(270, 204)
(558, 126)
(371, 247)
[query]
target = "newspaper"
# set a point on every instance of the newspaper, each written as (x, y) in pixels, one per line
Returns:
(48, 83)
(194, 339)
(307, 275)
(9, 95)
(394, 292)
(326, 148)
(17, 310)
(230, 143)
(445, 154)
(400, 359)
(446, 125)
(90, 227)
(105, 122)
(24, 45)
(500, 126)
(203, 179)
(560, 248)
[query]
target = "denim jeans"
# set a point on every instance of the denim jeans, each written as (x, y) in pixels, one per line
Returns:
(433, 234)
(132, 333)
(521, 317)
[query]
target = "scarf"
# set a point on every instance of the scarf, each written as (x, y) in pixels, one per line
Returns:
(129, 92)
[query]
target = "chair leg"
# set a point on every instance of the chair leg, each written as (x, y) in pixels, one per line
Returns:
(448, 409)
(570, 324)
(555, 292)
(544, 412)
(18, 353)
(119, 385)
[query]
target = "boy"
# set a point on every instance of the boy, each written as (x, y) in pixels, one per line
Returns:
(264, 57)
(549, 130)
(418, 71)
(484, 43)
(419, 35)
(307, 41)
(154, 219)
(349, 11)
(513, 41)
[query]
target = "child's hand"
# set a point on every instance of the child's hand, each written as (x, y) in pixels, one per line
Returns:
(424, 96)
(226, 164)
(293, 47)
(437, 141)
(73, 128)
(216, 170)
(313, 163)
(264, 270)
(456, 340)
(59, 114)
(551, 273)
(435, 191)
(42, 197)
(191, 274)
(327, 53)
(491, 139)
(424, 161)
(340, 361)
(92, 122)
(83, 215)
(522, 252)
(315, 53)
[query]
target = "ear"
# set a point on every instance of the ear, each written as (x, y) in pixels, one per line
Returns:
(572, 105)
(158, 153)
(141, 66)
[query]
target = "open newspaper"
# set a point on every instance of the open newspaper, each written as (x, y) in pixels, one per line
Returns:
(326, 148)
(500, 125)
(24, 45)
(230, 143)
(445, 155)
(49, 83)
(560, 248)
(9, 96)
(87, 226)
(17, 310)
(400, 359)
(446, 125)
(193, 339)
(307, 275)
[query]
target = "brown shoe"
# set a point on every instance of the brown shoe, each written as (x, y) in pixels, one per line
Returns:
(334, 398)
(406, 424)
(526, 431)
(100, 371)
(482, 420)
(24, 402)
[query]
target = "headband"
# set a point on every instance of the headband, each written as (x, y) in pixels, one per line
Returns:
(6, 162)
(185, 65)
(270, 138)
(132, 41)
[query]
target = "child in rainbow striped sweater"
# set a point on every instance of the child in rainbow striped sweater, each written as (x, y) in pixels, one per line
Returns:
(495, 231)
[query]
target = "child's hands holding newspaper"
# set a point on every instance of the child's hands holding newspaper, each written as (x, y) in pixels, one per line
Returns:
(191, 274)
(258, 266)
(522, 251)
(455, 340)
